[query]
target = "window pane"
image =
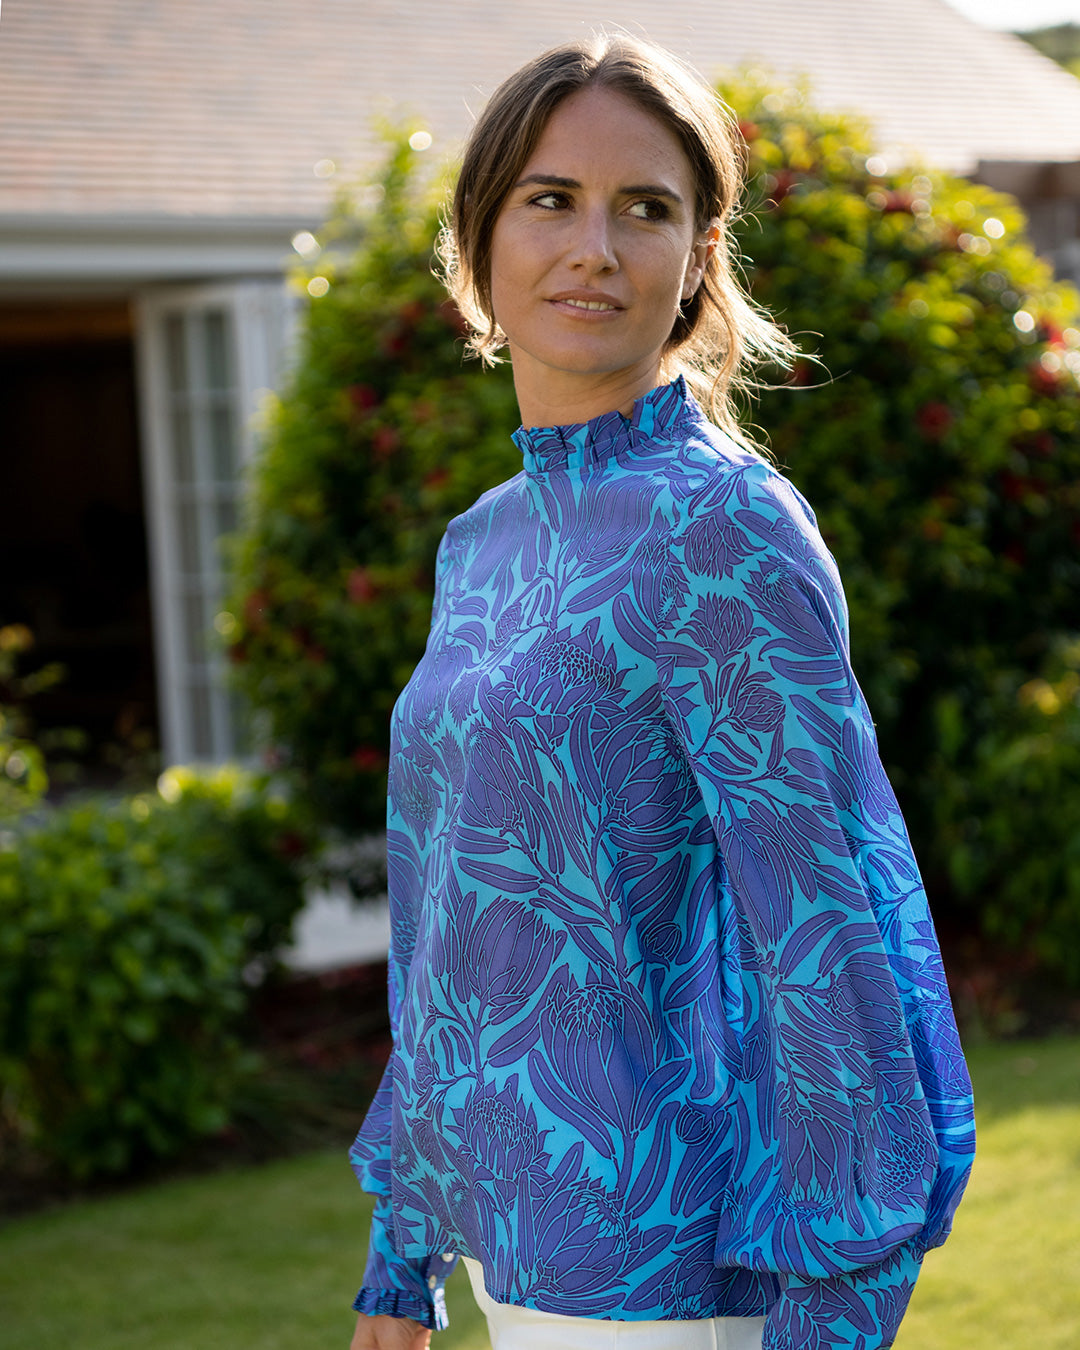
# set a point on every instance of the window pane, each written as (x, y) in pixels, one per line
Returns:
(175, 354)
(226, 517)
(240, 719)
(196, 623)
(190, 559)
(183, 458)
(218, 374)
(202, 736)
(222, 446)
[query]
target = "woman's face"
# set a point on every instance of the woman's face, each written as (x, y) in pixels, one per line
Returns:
(593, 249)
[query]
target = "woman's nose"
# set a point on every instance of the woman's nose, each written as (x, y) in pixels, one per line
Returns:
(593, 244)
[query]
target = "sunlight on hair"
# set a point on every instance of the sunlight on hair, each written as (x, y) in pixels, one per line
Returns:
(720, 335)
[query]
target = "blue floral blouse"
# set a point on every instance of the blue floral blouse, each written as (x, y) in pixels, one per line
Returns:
(672, 1037)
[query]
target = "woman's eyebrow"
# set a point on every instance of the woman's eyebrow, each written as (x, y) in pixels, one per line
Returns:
(632, 190)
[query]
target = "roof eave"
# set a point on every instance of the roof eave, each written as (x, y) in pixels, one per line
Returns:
(127, 251)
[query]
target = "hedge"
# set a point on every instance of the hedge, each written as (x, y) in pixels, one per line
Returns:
(131, 933)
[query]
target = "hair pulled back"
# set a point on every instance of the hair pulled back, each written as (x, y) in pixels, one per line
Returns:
(719, 332)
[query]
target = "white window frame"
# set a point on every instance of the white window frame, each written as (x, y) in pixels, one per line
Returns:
(260, 324)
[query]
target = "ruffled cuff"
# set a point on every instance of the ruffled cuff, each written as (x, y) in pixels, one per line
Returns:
(860, 1310)
(398, 1303)
(396, 1286)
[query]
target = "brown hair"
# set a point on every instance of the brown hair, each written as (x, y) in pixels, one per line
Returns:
(719, 331)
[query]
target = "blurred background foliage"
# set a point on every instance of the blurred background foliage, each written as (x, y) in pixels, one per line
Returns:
(935, 427)
(133, 932)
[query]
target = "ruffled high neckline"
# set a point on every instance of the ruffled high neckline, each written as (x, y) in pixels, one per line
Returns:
(581, 445)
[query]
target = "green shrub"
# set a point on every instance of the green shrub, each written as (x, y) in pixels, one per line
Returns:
(1014, 821)
(940, 445)
(938, 438)
(126, 931)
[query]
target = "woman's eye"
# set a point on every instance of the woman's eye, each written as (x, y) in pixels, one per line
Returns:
(649, 209)
(550, 201)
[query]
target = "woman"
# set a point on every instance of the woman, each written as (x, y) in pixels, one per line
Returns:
(674, 1059)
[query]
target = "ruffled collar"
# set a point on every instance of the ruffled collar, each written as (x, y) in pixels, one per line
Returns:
(584, 444)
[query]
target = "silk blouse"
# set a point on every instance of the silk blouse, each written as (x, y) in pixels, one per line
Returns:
(672, 1037)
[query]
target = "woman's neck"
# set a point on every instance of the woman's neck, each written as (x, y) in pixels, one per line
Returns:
(566, 398)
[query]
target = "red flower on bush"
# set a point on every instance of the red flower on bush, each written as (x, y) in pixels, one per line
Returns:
(1012, 485)
(395, 340)
(1045, 383)
(779, 184)
(750, 131)
(898, 201)
(368, 759)
(436, 478)
(453, 318)
(384, 441)
(256, 609)
(950, 235)
(363, 398)
(291, 844)
(801, 373)
(933, 420)
(1039, 446)
(1015, 554)
(362, 590)
(1016, 488)
(312, 651)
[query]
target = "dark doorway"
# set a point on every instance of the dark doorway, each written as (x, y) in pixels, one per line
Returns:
(73, 561)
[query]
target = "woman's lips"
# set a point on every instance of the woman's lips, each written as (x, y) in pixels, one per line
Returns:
(586, 302)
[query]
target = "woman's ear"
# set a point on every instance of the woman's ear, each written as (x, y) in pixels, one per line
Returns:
(704, 246)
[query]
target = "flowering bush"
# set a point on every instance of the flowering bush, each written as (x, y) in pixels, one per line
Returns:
(127, 929)
(939, 441)
(934, 426)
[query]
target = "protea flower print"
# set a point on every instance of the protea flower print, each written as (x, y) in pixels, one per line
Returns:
(672, 1037)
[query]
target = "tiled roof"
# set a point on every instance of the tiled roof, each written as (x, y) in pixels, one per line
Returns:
(222, 107)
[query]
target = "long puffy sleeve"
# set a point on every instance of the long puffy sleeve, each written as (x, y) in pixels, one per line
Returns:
(396, 1285)
(856, 1132)
(393, 1285)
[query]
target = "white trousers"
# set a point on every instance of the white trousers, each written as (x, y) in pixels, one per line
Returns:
(525, 1329)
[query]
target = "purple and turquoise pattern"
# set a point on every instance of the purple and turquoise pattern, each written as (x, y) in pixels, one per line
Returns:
(672, 1036)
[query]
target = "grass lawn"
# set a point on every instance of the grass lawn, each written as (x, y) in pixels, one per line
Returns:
(1009, 1276)
(269, 1257)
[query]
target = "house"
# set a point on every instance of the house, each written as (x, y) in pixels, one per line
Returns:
(158, 158)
